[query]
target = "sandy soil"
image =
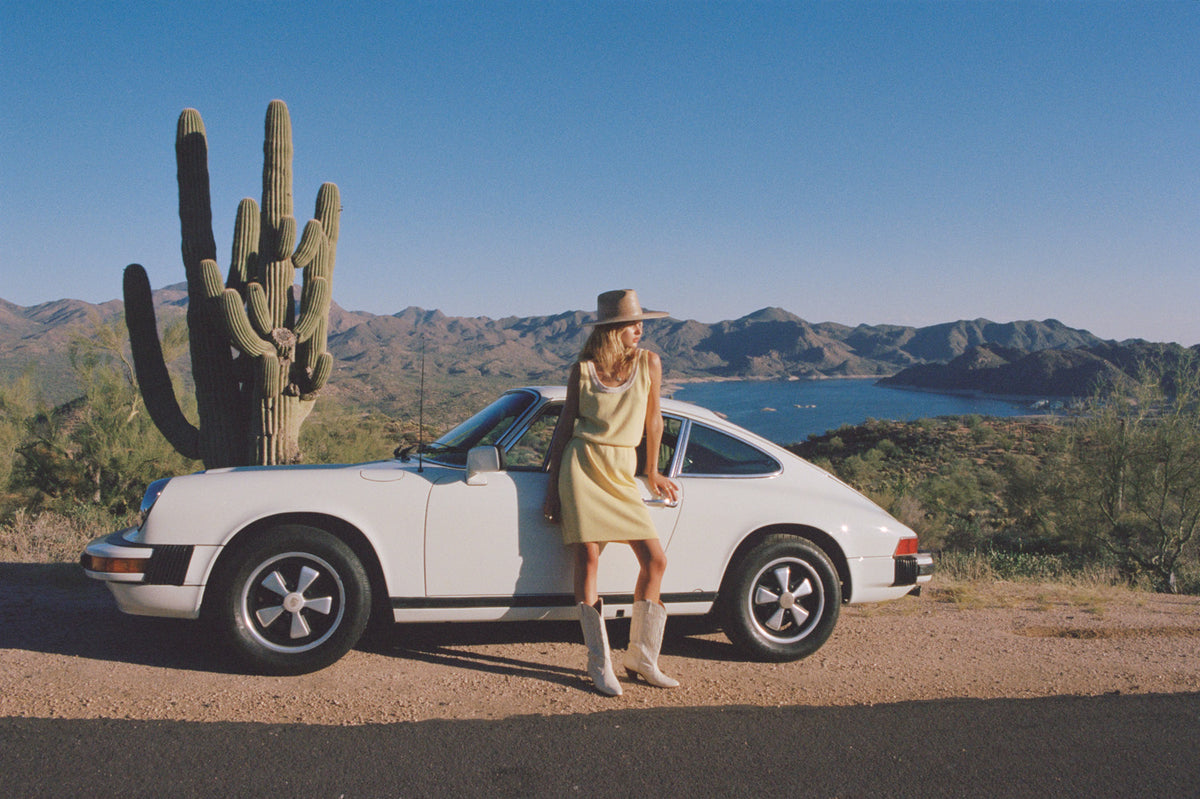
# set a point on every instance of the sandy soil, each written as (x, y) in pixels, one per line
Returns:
(65, 652)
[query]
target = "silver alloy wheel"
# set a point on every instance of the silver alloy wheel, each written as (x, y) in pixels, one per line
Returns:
(786, 600)
(293, 602)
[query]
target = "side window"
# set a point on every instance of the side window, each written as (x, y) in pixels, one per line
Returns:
(666, 450)
(531, 449)
(710, 452)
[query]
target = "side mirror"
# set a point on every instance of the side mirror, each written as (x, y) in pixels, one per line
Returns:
(480, 461)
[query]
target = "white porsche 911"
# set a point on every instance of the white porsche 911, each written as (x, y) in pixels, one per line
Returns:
(290, 562)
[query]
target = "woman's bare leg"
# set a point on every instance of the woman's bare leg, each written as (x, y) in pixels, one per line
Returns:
(653, 562)
(587, 561)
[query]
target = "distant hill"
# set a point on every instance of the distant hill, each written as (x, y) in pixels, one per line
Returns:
(378, 357)
(1079, 372)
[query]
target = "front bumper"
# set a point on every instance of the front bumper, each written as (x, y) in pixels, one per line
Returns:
(114, 559)
(148, 580)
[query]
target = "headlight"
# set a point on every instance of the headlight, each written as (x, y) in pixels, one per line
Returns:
(151, 496)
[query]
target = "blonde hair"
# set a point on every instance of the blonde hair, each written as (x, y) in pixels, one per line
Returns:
(604, 348)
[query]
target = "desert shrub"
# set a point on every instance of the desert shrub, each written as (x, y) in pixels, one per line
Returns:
(17, 404)
(100, 449)
(1021, 494)
(990, 564)
(53, 536)
(335, 434)
(1135, 490)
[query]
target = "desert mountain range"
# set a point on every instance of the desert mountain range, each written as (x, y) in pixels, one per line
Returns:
(378, 357)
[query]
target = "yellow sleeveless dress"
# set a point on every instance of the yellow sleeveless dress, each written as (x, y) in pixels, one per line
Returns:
(596, 482)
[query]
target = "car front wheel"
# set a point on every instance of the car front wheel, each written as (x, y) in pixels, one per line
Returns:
(293, 601)
(781, 600)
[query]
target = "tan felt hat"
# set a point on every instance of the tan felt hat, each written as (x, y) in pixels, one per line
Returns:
(615, 307)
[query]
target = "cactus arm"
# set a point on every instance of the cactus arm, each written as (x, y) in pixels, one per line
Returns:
(244, 255)
(318, 378)
(150, 368)
(314, 307)
(329, 211)
(237, 324)
(195, 213)
(310, 245)
(213, 371)
(210, 275)
(260, 313)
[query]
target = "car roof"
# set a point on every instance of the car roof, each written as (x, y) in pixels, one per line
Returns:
(669, 405)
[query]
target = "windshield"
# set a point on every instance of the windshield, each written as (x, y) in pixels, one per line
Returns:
(485, 427)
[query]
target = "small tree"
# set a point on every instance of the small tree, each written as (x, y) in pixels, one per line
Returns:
(1138, 453)
(17, 404)
(100, 449)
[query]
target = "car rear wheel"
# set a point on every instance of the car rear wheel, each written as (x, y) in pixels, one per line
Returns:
(293, 601)
(781, 600)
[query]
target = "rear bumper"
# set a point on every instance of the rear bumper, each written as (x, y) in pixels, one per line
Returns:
(913, 569)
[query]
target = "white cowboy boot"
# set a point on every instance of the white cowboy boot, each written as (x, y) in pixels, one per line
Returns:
(645, 641)
(599, 666)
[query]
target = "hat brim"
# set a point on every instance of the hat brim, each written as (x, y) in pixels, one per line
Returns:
(619, 320)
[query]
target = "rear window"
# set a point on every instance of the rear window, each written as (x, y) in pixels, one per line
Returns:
(710, 452)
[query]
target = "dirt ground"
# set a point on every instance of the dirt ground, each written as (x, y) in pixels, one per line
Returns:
(66, 652)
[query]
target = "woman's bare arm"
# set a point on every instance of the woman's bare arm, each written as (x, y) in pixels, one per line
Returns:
(562, 434)
(660, 486)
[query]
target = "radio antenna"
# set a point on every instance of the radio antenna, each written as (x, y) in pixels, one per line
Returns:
(421, 411)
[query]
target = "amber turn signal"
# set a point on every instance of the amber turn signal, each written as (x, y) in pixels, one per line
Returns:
(114, 565)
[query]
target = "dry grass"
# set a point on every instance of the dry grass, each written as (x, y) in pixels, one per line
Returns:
(985, 580)
(1092, 595)
(50, 537)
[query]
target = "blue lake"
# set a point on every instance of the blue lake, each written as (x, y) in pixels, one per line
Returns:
(787, 411)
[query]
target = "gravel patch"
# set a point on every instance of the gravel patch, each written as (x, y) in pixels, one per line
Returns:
(66, 652)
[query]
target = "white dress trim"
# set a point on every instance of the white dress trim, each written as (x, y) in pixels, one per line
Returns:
(606, 389)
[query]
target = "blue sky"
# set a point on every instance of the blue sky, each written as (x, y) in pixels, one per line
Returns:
(907, 163)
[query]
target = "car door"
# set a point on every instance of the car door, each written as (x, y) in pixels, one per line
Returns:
(492, 540)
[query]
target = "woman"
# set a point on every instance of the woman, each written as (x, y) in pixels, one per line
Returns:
(612, 401)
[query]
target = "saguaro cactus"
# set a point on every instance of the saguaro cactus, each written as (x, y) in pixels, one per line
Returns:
(250, 403)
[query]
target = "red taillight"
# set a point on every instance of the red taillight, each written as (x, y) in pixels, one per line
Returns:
(906, 546)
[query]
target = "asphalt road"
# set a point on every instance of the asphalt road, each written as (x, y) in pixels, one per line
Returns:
(1115, 745)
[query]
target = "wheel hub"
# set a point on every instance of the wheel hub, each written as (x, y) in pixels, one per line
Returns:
(293, 602)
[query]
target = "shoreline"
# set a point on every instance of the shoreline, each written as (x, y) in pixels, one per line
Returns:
(975, 393)
(677, 384)
(671, 385)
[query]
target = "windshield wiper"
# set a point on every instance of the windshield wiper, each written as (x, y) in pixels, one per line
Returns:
(433, 448)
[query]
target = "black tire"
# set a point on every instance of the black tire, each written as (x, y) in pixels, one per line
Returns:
(292, 601)
(781, 600)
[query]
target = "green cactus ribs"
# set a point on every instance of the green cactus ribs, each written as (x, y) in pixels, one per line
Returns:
(258, 362)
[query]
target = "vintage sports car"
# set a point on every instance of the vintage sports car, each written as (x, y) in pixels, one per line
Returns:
(289, 562)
